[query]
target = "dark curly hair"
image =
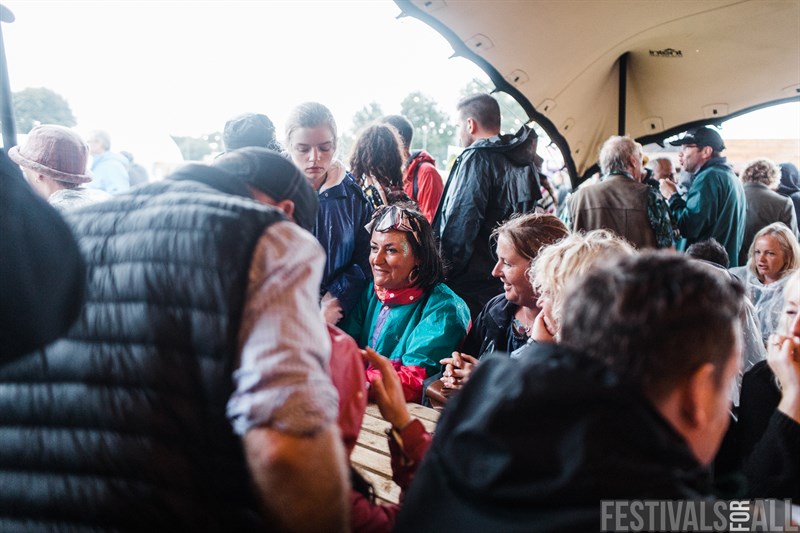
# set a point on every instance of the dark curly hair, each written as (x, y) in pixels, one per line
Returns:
(377, 153)
(431, 266)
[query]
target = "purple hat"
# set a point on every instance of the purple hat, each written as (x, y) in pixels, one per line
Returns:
(54, 151)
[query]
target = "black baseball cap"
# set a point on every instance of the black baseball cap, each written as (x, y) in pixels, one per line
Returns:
(701, 137)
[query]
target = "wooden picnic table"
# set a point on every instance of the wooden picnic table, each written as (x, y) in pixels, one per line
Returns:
(371, 454)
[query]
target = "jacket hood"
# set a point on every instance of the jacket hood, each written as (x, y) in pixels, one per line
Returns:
(519, 148)
(418, 157)
(582, 438)
(563, 434)
(790, 179)
(336, 174)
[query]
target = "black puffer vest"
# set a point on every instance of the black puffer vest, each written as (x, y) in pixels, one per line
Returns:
(121, 425)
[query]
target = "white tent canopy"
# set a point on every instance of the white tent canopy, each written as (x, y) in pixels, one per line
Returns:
(589, 69)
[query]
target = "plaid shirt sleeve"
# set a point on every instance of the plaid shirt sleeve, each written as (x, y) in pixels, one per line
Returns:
(283, 380)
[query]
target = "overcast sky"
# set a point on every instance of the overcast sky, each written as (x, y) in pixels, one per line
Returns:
(184, 68)
(146, 69)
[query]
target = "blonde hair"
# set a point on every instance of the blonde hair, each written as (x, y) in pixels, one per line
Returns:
(309, 115)
(786, 240)
(530, 232)
(561, 263)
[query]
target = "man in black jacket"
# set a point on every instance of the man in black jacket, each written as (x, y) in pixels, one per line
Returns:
(493, 178)
(631, 405)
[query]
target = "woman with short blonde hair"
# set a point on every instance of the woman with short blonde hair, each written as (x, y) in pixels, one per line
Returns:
(559, 264)
(784, 243)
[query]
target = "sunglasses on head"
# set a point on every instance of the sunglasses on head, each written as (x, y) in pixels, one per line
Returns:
(394, 217)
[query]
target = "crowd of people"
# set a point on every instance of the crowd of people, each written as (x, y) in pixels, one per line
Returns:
(197, 353)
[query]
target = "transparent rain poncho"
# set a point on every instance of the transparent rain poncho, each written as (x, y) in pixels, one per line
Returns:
(762, 315)
(767, 300)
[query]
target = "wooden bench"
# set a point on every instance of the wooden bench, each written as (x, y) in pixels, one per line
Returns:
(371, 454)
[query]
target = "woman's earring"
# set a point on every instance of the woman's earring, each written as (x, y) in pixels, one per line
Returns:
(413, 276)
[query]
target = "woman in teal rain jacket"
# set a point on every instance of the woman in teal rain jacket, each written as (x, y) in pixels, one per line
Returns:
(407, 314)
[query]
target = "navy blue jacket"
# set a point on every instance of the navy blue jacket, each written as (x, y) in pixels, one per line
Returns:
(343, 213)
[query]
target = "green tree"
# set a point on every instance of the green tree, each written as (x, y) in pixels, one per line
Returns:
(34, 106)
(362, 117)
(433, 130)
(366, 115)
(196, 148)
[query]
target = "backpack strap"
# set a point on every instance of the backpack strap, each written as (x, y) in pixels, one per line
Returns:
(415, 184)
(414, 180)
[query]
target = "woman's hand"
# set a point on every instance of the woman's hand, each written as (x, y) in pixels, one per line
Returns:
(457, 370)
(388, 390)
(331, 309)
(542, 329)
(783, 357)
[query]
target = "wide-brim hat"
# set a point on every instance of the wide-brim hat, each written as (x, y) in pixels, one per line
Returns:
(54, 151)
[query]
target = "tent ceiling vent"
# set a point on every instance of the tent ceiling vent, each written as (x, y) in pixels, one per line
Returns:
(433, 5)
(480, 43)
(518, 77)
(715, 110)
(653, 124)
(547, 106)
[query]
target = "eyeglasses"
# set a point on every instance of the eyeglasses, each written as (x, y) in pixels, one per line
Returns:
(394, 217)
(686, 146)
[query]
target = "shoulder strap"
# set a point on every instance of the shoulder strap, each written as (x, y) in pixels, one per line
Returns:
(414, 179)
(415, 183)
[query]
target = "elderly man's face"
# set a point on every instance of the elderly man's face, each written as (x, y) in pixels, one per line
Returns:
(664, 170)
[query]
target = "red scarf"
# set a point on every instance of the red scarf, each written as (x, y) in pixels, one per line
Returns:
(392, 297)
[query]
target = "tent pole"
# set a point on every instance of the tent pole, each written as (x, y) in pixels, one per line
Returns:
(6, 106)
(623, 92)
